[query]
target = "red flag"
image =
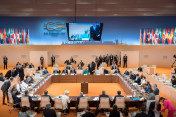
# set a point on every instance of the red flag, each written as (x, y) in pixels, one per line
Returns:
(5, 36)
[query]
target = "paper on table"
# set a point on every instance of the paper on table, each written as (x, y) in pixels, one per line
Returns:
(96, 98)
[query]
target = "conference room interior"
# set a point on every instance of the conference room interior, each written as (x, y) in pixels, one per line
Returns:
(87, 58)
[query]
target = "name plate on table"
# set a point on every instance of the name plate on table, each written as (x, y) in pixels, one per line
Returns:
(72, 74)
(63, 74)
(84, 74)
(107, 74)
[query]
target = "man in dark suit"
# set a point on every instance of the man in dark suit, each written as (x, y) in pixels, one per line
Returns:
(40, 67)
(91, 67)
(107, 58)
(116, 59)
(46, 95)
(133, 76)
(30, 99)
(113, 66)
(16, 100)
(41, 60)
(173, 80)
(11, 73)
(139, 69)
(53, 60)
(49, 112)
(21, 72)
(119, 95)
(125, 61)
(1, 77)
(154, 107)
(106, 71)
(5, 88)
(142, 114)
(5, 59)
(103, 95)
(111, 57)
(65, 71)
(45, 72)
(95, 32)
(81, 63)
(114, 112)
(31, 66)
(72, 71)
(155, 89)
(138, 79)
(78, 98)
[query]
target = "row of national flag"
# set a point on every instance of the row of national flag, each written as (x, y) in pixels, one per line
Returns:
(14, 36)
(158, 36)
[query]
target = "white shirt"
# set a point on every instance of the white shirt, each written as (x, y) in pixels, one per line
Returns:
(65, 101)
(23, 86)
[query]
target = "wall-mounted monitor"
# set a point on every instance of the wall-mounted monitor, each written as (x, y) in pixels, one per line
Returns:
(84, 31)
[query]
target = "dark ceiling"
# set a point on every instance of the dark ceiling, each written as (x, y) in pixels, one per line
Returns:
(88, 7)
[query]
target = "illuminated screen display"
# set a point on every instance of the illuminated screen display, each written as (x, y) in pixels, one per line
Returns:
(84, 31)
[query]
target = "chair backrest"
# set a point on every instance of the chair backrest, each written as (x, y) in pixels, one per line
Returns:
(44, 102)
(104, 103)
(83, 103)
(58, 103)
(120, 102)
(25, 102)
(148, 104)
(10, 98)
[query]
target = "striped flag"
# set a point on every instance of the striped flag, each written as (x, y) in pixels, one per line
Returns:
(5, 36)
(27, 36)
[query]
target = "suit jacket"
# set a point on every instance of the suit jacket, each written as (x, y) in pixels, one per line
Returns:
(151, 96)
(31, 66)
(21, 72)
(56, 72)
(52, 58)
(114, 114)
(156, 91)
(124, 58)
(173, 82)
(11, 74)
(72, 72)
(117, 97)
(95, 32)
(140, 69)
(142, 114)
(65, 71)
(45, 72)
(15, 99)
(117, 71)
(5, 59)
(113, 67)
(106, 71)
(138, 80)
(48, 96)
(6, 86)
(41, 59)
(133, 77)
(152, 107)
(49, 113)
(40, 68)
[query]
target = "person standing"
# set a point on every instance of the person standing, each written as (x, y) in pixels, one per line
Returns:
(125, 61)
(53, 60)
(41, 60)
(5, 62)
(21, 72)
(5, 88)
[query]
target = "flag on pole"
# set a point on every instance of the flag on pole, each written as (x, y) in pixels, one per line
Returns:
(27, 36)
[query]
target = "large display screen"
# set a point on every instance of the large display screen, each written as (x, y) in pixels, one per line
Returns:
(84, 31)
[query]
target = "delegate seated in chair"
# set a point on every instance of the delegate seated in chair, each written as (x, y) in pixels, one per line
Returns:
(117, 71)
(103, 95)
(114, 66)
(65, 71)
(30, 99)
(88, 113)
(78, 98)
(86, 71)
(16, 100)
(46, 95)
(45, 72)
(139, 69)
(72, 71)
(119, 95)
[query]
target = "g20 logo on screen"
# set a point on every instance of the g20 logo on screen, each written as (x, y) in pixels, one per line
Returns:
(54, 28)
